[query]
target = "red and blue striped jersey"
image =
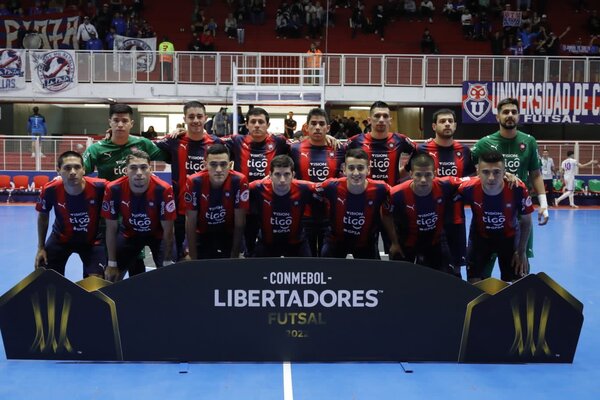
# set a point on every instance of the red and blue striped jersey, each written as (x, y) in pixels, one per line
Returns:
(420, 219)
(280, 216)
(452, 160)
(77, 217)
(215, 206)
(355, 218)
(187, 157)
(496, 215)
(384, 154)
(316, 163)
(141, 214)
(253, 159)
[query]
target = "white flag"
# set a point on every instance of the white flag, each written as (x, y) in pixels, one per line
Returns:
(53, 71)
(12, 70)
(144, 50)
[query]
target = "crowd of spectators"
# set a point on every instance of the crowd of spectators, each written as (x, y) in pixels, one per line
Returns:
(98, 25)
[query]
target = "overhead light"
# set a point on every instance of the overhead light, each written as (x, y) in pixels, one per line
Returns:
(360, 107)
(111, 99)
(95, 105)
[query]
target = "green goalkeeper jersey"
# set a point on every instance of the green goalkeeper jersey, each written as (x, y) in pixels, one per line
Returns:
(109, 158)
(520, 153)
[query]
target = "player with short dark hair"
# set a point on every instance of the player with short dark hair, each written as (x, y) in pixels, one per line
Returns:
(187, 153)
(77, 201)
(279, 202)
(501, 220)
(216, 203)
(419, 207)
(316, 161)
(354, 204)
(452, 159)
(145, 206)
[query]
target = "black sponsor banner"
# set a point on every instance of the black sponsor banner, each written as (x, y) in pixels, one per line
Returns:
(287, 309)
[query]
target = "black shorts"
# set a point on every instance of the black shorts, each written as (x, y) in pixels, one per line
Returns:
(93, 257)
(282, 250)
(456, 237)
(128, 250)
(481, 250)
(337, 250)
(436, 256)
(214, 245)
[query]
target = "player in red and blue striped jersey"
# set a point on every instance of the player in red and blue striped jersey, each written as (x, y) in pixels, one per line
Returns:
(145, 206)
(501, 215)
(354, 205)
(216, 203)
(452, 159)
(77, 201)
(315, 160)
(419, 207)
(187, 153)
(384, 148)
(252, 153)
(279, 201)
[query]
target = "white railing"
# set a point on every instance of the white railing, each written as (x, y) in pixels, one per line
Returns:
(339, 69)
(16, 152)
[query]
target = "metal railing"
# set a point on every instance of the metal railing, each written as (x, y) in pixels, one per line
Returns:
(339, 69)
(16, 152)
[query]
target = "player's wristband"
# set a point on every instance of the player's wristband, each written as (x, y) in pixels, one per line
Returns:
(112, 263)
(543, 203)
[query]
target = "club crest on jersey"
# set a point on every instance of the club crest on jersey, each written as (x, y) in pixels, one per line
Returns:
(270, 146)
(477, 104)
(439, 201)
(226, 194)
(151, 203)
(459, 154)
(370, 202)
(332, 154)
(391, 145)
(187, 197)
(522, 147)
(92, 201)
(509, 205)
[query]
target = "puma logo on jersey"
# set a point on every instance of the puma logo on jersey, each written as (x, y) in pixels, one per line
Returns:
(183, 145)
(204, 196)
(480, 205)
(411, 207)
(267, 201)
(63, 205)
(304, 154)
(341, 200)
(126, 203)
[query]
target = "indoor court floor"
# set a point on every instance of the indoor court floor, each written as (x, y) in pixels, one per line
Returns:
(567, 249)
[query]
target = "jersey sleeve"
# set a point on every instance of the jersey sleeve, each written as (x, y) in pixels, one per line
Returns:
(188, 201)
(242, 198)
(534, 159)
(89, 159)
(109, 211)
(526, 202)
(168, 209)
(155, 153)
(44, 202)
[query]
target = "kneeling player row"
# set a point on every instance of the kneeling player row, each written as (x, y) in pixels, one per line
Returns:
(287, 217)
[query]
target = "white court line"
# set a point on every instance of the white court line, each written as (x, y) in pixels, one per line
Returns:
(288, 392)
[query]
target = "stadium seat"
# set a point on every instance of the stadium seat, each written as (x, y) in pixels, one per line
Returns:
(557, 184)
(39, 181)
(21, 183)
(594, 185)
(579, 185)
